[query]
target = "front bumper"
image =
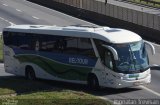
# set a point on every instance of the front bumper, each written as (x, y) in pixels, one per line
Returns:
(120, 83)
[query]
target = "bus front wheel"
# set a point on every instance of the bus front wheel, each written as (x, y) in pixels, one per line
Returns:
(29, 73)
(93, 83)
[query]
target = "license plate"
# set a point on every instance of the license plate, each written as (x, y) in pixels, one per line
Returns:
(133, 75)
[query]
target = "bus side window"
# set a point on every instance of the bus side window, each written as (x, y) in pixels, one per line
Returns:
(85, 47)
(7, 38)
(69, 45)
(105, 55)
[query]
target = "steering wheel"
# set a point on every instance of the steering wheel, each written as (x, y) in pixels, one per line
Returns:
(124, 63)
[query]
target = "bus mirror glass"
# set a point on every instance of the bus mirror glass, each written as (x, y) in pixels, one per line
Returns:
(151, 46)
(114, 52)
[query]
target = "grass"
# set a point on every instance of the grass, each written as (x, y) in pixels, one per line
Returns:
(145, 3)
(63, 97)
(42, 93)
(16, 85)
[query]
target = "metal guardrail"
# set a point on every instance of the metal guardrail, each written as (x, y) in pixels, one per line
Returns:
(150, 3)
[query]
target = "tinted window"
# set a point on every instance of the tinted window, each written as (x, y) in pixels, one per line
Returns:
(7, 38)
(26, 41)
(19, 40)
(50, 43)
(85, 47)
(59, 44)
(70, 45)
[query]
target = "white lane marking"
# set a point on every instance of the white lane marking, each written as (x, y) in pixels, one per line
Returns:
(61, 13)
(11, 23)
(155, 65)
(35, 17)
(150, 90)
(5, 4)
(18, 10)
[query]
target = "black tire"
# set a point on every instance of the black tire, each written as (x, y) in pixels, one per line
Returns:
(30, 74)
(93, 83)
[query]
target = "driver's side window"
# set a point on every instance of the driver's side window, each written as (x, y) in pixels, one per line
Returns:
(108, 59)
(105, 55)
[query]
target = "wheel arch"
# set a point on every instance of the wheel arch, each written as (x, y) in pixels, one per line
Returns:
(29, 67)
(90, 75)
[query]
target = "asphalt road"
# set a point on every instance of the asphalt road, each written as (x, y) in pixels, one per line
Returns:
(24, 12)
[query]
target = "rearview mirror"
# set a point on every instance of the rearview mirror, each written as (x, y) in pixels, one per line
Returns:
(151, 46)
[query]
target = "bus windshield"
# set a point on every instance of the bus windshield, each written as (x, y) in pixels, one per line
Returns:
(133, 57)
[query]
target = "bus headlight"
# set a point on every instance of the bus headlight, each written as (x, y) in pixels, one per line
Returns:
(149, 71)
(121, 78)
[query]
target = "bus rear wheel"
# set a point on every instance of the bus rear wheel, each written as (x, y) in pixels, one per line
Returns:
(30, 74)
(93, 83)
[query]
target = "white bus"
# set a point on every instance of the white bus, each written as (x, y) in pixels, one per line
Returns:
(97, 56)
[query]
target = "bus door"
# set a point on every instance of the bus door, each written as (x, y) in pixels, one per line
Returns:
(109, 67)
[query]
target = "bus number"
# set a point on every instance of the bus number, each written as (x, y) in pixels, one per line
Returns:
(78, 61)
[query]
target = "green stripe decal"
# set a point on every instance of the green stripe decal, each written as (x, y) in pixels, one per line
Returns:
(56, 69)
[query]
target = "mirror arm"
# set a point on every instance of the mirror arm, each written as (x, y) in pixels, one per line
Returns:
(115, 54)
(151, 46)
